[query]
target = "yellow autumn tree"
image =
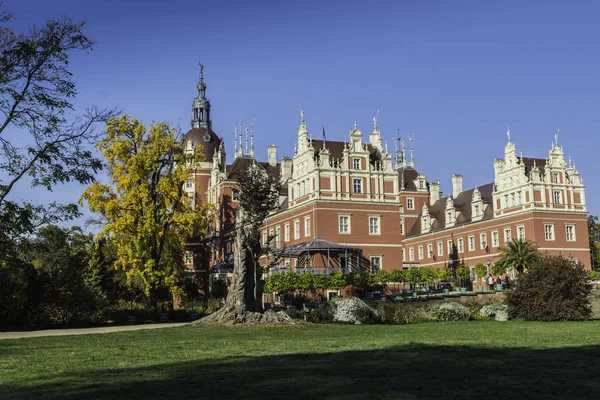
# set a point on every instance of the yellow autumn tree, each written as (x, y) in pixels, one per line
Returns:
(145, 208)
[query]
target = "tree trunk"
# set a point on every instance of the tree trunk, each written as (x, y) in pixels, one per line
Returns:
(241, 305)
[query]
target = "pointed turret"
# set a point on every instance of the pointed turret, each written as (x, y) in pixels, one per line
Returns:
(201, 105)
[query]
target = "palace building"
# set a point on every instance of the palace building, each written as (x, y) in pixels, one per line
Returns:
(355, 205)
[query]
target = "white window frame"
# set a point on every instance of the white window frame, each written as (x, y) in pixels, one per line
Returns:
(264, 238)
(356, 163)
(286, 232)
(471, 242)
(521, 232)
(278, 237)
(306, 226)
(450, 246)
(377, 225)
(483, 241)
(440, 249)
(188, 257)
(461, 245)
(430, 252)
(189, 182)
(549, 233)
(411, 254)
(376, 257)
(507, 235)
(421, 250)
(235, 195)
(555, 177)
(340, 230)
(557, 196)
(573, 235)
(403, 255)
(297, 229)
(357, 185)
(495, 239)
(410, 203)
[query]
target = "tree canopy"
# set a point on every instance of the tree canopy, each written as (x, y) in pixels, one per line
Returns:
(594, 238)
(146, 210)
(518, 254)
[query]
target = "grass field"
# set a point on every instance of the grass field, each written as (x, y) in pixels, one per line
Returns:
(424, 361)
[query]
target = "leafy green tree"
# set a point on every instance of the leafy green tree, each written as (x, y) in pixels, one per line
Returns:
(594, 275)
(428, 274)
(322, 282)
(594, 238)
(382, 276)
(396, 276)
(462, 272)
(444, 274)
(518, 254)
(306, 282)
(147, 212)
(36, 94)
(480, 270)
(551, 289)
(338, 280)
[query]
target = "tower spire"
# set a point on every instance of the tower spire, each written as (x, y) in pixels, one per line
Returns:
(201, 105)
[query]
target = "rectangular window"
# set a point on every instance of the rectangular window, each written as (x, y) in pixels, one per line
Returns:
(287, 232)
(483, 241)
(410, 204)
(495, 239)
(296, 230)
(570, 232)
(461, 245)
(507, 235)
(235, 195)
(505, 201)
(356, 163)
(278, 237)
(471, 243)
(188, 258)
(375, 263)
(555, 177)
(402, 227)
(557, 197)
(271, 234)
(411, 254)
(306, 226)
(357, 185)
(549, 231)
(374, 225)
(430, 250)
(521, 232)
(440, 249)
(420, 252)
(264, 238)
(344, 223)
(450, 247)
(189, 182)
(403, 255)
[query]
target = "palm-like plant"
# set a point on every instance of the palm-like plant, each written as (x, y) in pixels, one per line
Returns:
(518, 254)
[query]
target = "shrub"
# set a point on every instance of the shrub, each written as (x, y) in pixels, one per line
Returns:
(354, 311)
(411, 313)
(593, 275)
(495, 311)
(451, 311)
(323, 313)
(551, 289)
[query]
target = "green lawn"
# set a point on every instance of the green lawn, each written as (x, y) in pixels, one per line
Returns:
(476, 360)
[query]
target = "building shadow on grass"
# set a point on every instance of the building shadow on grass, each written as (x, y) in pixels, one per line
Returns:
(413, 371)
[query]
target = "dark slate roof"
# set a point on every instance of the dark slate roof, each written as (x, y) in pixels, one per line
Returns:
(203, 137)
(317, 244)
(410, 174)
(336, 150)
(241, 164)
(539, 162)
(462, 203)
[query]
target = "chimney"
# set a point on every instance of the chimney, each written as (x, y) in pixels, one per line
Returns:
(272, 155)
(286, 169)
(434, 193)
(456, 185)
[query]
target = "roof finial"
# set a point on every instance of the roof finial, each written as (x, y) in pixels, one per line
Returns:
(354, 124)
(508, 133)
(386, 148)
(556, 137)
(241, 145)
(412, 160)
(235, 146)
(246, 130)
(252, 138)
(375, 121)
(201, 72)
(301, 115)
(570, 162)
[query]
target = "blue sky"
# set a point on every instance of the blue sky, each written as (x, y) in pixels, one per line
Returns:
(455, 73)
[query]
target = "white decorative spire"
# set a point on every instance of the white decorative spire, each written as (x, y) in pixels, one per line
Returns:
(556, 138)
(246, 150)
(412, 160)
(508, 134)
(375, 121)
(252, 139)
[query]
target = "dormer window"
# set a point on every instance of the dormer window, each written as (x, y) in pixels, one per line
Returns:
(356, 163)
(421, 185)
(555, 178)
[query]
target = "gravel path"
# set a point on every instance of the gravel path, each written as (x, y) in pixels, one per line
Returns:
(86, 331)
